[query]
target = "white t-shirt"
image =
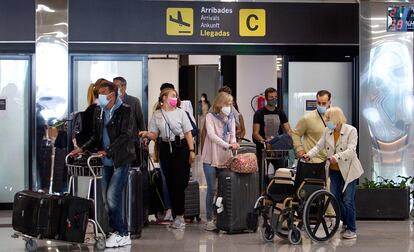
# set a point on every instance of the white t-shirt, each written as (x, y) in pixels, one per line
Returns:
(177, 120)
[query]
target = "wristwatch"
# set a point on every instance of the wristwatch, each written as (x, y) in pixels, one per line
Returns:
(192, 150)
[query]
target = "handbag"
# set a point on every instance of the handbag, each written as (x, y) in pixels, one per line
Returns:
(243, 163)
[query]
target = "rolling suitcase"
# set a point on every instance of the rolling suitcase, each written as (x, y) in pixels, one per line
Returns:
(37, 214)
(74, 219)
(192, 201)
(132, 203)
(237, 194)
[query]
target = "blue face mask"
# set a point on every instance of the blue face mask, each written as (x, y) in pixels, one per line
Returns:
(321, 109)
(330, 125)
(103, 100)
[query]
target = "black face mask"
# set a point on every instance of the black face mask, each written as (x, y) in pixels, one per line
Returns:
(272, 102)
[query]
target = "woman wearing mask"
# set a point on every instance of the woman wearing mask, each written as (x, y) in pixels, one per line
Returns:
(203, 108)
(340, 141)
(176, 151)
(83, 128)
(241, 130)
(218, 145)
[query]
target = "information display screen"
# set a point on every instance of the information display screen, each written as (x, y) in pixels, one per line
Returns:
(400, 19)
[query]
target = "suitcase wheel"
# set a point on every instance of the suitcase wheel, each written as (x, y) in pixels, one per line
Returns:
(31, 245)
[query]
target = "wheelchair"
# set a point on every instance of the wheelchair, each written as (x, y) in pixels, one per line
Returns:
(296, 201)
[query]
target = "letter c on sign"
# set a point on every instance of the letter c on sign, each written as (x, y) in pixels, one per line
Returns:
(248, 23)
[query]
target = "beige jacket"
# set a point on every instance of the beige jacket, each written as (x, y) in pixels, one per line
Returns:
(344, 151)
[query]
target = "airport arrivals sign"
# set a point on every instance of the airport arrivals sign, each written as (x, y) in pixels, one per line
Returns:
(215, 22)
(205, 22)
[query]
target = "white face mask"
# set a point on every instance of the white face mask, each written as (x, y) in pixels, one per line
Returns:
(226, 110)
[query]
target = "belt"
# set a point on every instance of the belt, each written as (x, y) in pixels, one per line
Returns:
(172, 141)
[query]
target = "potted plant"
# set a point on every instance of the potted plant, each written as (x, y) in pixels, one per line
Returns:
(384, 199)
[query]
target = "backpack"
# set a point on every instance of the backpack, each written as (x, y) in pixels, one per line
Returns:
(195, 130)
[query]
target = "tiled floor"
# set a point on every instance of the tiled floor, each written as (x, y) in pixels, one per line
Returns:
(395, 236)
(387, 236)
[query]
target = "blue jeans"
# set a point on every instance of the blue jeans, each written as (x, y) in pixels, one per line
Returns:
(211, 173)
(113, 183)
(346, 199)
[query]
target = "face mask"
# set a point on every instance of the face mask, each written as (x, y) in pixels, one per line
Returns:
(272, 102)
(321, 109)
(330, 125)
(103, 100)
(172, 102)
(202, 99)
(226, 110)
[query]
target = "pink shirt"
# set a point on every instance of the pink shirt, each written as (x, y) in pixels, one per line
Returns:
(216, 150)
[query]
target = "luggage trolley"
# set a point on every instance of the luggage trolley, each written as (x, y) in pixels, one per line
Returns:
(93, 170)
(86, 170)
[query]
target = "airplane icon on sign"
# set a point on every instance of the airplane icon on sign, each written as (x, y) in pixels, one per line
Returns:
(179, 20)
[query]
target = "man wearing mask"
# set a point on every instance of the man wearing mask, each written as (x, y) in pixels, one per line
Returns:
(269, 122)
(112, 136)
(133, 102)
(311, 127)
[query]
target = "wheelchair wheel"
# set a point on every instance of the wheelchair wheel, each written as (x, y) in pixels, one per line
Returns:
(319, 224)
(295, 236)
(267, 233)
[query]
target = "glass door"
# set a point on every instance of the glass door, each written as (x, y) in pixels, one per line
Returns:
(88, 68)
(14, 125)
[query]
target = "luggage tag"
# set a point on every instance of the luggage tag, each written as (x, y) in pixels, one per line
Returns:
(219, 205)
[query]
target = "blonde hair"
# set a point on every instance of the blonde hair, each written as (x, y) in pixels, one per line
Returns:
(336, 115)
(222, 99)
(164, 92)
(91, 94)
(93, 90)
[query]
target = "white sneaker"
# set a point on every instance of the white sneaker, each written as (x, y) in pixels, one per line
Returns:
(168, 215)
(178, 223)
(126, 240)
(113, 240)
(343, 229)
(349, 235)
(210, 226)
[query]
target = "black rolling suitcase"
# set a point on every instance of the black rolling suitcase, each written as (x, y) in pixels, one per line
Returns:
(238, 193)
(37, 214)
(45, 164)
(74, 219)
(192, 201)
(133, 203)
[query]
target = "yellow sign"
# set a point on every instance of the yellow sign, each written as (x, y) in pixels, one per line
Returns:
(252, 22)
(180, 21)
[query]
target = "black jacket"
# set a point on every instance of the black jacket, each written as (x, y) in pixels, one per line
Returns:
(121, 148)
(137, 114)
